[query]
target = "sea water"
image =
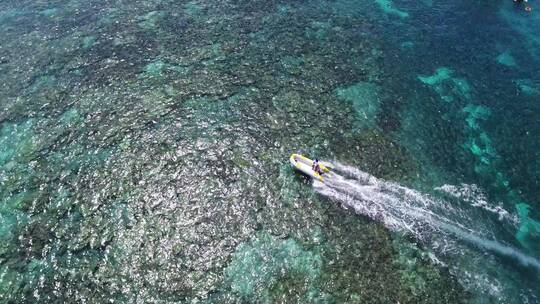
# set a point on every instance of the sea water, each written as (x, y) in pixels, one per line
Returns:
(144, 148)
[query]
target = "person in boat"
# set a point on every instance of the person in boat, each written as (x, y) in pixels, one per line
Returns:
(316, 167)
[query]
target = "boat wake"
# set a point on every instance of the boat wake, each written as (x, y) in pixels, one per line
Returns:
(449, 229)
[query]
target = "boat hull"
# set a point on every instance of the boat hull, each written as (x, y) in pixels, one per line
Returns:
(304, 165)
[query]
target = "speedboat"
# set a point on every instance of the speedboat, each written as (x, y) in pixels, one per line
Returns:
(305, 165)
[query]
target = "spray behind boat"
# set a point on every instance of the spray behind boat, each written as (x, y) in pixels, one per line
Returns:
(449, 231)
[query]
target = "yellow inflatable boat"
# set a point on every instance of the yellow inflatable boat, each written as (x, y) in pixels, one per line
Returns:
(305, 165)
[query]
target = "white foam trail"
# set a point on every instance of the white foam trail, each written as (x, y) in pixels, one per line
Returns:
(497, 247)
(399, 208)
(473, 195)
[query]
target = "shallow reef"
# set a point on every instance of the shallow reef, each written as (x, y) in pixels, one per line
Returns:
(143, 150)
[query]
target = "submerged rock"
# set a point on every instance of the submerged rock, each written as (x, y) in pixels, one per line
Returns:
(506, 59)
(366, 100)
(388, 7)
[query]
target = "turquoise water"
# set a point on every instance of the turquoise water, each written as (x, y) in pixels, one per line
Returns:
(144, 151)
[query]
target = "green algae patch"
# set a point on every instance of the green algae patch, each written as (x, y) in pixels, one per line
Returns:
(43, 82)
(388, 7)
(441, 75)
(70, 117)
(110, 15)
(529, 229)
(506, 59)
(88, 42)
(527, 87)
(158, 69)
(50, 12)
(17, 141)
(263, 267)
(481, 146)
(284, 9)
(155, 68)
(7, 15)
(318, 30)
(192, 8)
(8, 230)
(462, 87)
(407, 45)
(293, 65)
(447, 85)
(151, 20)
(474, 114)
(365, 99)
(240, 160)
(210, 53)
